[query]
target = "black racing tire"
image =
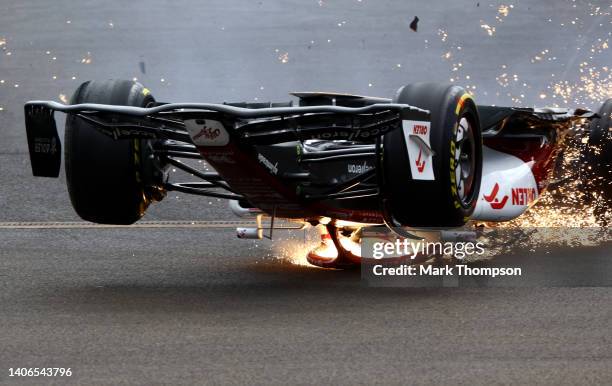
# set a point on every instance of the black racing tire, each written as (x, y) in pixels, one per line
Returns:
(440, 202)
(104, 176)
(597, 159)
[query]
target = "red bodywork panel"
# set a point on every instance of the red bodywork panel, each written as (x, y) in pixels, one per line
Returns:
(539, 155)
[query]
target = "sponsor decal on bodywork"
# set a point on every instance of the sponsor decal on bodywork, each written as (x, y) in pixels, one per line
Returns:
(358, 169)
(354, 135)
(520, 197)
(207, 132)
(272, 167)
(45, 145)
(420, 155)
(523, 196)
(493, 200)
(507, 189)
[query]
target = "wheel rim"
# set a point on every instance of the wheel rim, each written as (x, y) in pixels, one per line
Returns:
(465, 161)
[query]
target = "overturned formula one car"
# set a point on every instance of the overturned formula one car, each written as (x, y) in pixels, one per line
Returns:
(428, 158)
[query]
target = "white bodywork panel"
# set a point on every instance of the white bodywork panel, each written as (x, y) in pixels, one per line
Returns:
(507, 189)
(420, 156)
(207, 132)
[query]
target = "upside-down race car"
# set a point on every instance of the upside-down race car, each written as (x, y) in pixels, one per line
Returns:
(428, 158)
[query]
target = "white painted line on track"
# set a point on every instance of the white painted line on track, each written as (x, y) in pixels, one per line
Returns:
(140, 224)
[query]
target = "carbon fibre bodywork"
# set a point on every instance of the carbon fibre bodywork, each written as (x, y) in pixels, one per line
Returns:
(320, 159)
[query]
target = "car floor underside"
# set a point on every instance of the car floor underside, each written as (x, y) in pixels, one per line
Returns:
(316, 160)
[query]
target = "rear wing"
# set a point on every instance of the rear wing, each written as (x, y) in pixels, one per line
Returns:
(247, 126)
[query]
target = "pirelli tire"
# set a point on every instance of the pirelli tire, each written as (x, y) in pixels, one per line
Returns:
(104, 175)
(446, 192)
(597, 162)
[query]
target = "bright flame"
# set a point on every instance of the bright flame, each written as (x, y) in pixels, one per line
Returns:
(350, 245)
(326, 251)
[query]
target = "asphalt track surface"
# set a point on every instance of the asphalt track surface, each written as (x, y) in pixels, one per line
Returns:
(188, 304)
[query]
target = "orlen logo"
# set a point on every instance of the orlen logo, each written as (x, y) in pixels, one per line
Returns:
(419, 129)
(520, 196)
(523, 196)
(207, 133)
(493, 200)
